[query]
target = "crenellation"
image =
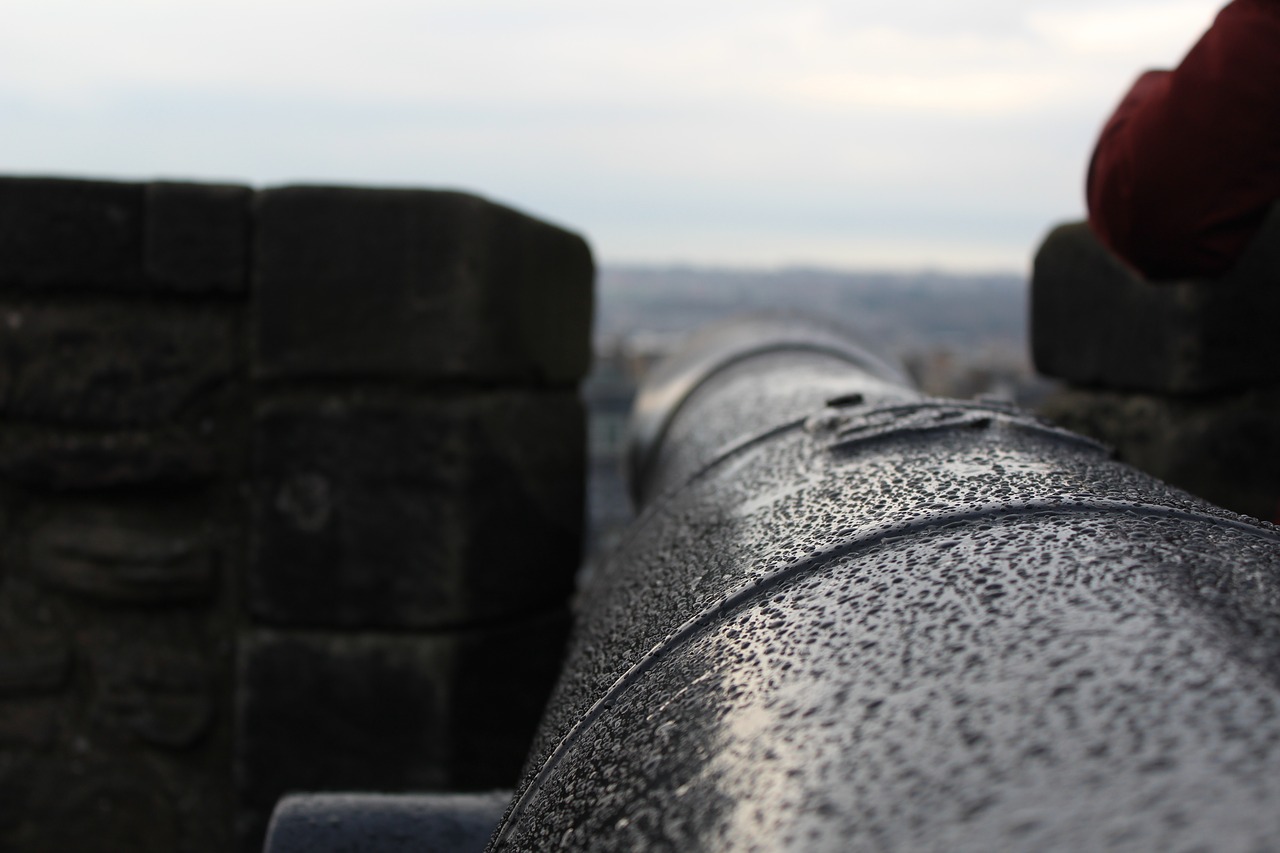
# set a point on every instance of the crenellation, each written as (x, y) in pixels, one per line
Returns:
(283, 473)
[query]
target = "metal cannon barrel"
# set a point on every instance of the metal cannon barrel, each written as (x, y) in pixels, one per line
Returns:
(854, 617)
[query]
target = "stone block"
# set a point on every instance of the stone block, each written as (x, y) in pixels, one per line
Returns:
(112, 364)
(70, 232)
(417, 512)
(387, 712)
(341, 712)
(164, 700)
(107, 236)
(197, 236)
(113, 805)
(89, 792)
(115, 714)
(69, 460)
(1094, 322)
(502, 678)
(415, 283)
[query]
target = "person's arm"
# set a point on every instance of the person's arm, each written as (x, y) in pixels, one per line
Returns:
(1189, 164)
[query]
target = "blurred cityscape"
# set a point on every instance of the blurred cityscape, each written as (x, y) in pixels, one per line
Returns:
(958, 335)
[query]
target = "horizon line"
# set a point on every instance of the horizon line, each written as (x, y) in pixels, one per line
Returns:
(811, 267)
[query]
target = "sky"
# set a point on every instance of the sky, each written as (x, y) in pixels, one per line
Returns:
(900, 135)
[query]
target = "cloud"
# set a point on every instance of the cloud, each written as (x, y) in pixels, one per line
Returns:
(1160, 33)
(666, 117)
(504, 51)
(965, 93)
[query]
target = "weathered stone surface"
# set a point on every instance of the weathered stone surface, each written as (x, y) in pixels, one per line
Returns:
(165, 699)
(412, 283)
(121, 804)
(197, 236)
(123, 741)
(1096, 323)
(64, 459)
(125, 553)
(345, 712)
(107, 236)
(35, 655)
(1224, 448)
(415, 513)
(379, 712)
(25, 725)
(157, 681)
(115, 364)
(33, 670)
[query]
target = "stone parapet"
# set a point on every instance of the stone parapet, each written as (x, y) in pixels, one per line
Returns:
(272, 465)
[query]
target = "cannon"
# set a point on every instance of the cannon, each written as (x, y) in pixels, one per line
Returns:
(853, 617)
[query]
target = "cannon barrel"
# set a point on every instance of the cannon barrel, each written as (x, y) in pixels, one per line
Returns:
(850, 616)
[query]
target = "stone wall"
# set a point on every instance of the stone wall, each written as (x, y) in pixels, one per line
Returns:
(291, 490)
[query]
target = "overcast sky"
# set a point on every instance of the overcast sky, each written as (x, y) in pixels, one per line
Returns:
(903, 134)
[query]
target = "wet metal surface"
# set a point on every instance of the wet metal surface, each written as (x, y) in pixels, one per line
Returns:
(897, 623)
(384, 823)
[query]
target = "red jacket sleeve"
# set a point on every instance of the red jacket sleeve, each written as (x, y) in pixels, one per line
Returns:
(1189, 163)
